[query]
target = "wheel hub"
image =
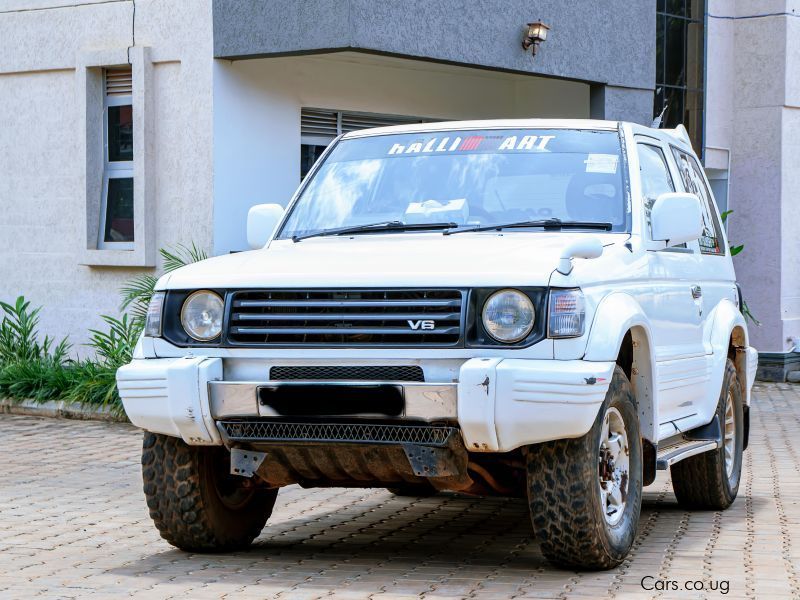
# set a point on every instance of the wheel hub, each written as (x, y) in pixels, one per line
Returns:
(613, 466)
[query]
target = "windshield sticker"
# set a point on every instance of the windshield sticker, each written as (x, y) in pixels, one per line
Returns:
(474, 142)
(602, 163)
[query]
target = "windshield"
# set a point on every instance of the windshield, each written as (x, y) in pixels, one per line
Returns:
(468, 178)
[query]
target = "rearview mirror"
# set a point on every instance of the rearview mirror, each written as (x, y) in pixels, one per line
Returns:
(676, 218)
(262, 219)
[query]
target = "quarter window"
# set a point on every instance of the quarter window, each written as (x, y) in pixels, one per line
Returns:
(655, 176)
(711, 240)
(116, 215)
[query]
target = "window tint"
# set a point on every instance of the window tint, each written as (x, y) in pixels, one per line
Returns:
(656, 179)
(120, 133)
(118, 226)
(711, 240)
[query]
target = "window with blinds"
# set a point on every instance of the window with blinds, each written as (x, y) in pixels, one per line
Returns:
(319, 127)
(116, 214)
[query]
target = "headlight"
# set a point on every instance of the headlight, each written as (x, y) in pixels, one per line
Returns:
(508, 316)
(201, 315)
(152, 323)
(567, 314)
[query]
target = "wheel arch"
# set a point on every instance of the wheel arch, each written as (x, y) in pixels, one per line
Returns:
(621, 332)
(728, 338)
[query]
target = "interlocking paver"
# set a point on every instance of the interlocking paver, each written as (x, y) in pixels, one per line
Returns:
(73, 524)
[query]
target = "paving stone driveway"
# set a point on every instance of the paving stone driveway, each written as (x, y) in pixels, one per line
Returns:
(73, 523)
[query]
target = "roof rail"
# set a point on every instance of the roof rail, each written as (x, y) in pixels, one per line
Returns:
(679, 133)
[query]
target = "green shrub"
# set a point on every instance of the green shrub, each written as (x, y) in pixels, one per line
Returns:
(30, 370)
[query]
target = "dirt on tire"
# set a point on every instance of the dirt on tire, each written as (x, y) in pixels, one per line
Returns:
(181, 484)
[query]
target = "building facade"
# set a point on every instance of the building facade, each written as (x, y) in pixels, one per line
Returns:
(130, 125)
(752, 147)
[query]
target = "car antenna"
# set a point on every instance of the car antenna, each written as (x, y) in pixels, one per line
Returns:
(657, 121)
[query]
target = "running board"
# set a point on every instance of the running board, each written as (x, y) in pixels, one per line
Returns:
(703, 439)
(676, 452)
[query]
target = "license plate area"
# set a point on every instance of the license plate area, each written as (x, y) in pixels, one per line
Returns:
(327, 400)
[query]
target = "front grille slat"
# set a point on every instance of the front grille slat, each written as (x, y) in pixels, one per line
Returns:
(361, 317)
(357, 433)
(344, 303)
(337, 330)
(452, 316)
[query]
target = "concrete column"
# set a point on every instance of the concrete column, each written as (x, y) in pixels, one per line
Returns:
(764, 181)
(621, 103)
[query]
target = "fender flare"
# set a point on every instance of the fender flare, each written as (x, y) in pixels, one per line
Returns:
(721, 323)
(616, 315)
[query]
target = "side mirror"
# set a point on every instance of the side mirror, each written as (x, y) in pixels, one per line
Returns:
(676, 218)
(262, 219)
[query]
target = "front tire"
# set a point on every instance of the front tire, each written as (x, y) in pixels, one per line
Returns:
(585, 494)
(710, 481)
(194, 502)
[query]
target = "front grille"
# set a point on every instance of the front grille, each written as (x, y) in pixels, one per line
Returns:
(346, 317)
(348, 373)
(276, 431)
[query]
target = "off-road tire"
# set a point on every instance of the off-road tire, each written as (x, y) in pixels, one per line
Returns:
(413, 490)
(701, 481)
(182, 484)
(564, 491)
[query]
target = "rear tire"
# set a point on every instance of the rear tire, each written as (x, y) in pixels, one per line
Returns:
(194, 502)
(710, 481)
(585, 494)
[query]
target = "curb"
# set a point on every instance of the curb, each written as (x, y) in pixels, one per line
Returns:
(60, 410)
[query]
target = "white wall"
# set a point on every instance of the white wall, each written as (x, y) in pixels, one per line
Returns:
(753, 108)
(42, 202)
(257, 115)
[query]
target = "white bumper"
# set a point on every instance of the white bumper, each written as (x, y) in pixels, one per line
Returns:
(505, 404)
(170, 396)
(501, 404)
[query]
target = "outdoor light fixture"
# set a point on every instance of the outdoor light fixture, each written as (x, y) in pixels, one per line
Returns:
(537, 33)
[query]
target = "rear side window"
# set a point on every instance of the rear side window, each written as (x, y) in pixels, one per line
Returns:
(654, 172)
(711, 240)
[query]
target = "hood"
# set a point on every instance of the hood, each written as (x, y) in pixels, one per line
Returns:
(392, 260)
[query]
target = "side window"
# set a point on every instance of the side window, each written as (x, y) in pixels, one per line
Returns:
(654, 172)
(116, 218)
(711, 240)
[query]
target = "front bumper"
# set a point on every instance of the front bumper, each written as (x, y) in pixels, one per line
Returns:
(498, 404)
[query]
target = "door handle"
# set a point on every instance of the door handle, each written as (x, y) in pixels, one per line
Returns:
(697, 292)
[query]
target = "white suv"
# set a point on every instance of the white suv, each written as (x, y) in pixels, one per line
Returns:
(535, 308)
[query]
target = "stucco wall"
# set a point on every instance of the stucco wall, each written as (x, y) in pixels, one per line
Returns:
(613, 43)
(40, 166)
(753, 108)
(257, 114)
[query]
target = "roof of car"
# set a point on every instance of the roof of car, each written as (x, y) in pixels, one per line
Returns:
(679, 134)
(489, 124)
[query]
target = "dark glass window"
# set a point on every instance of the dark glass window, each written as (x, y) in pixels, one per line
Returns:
(309, 153)
(119, 210)
(694, 182)
(680, 56)
(120, 133)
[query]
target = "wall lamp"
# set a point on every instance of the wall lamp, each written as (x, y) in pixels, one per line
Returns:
(536, 34)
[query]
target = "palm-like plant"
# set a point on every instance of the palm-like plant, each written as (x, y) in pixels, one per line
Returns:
(136, 294)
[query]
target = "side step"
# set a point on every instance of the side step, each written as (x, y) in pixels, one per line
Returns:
(703, 439)
(683, 448)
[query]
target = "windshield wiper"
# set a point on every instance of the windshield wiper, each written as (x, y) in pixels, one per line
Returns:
(547, 224)
(382, 226)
